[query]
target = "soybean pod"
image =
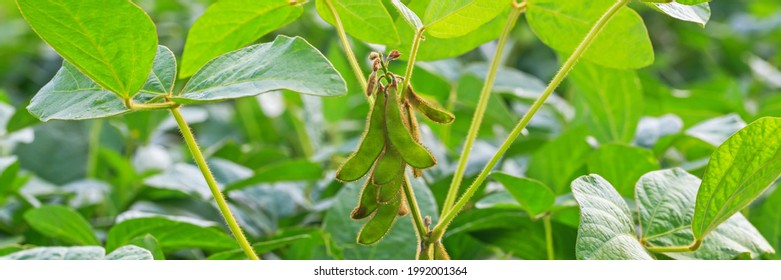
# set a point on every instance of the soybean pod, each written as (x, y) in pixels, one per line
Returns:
(389, 166)
(367, 203)
(371, 145)
(411, 151)
(433, 112)
(379, 224)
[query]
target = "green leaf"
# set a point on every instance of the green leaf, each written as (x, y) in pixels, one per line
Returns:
(129, 252)
(455, 18)
(608, 101)
(434, 48)
(367, 20)
(559, 161)
(738, 172)
(287, 63)
(562, 25)
(534, 196)
(228, 25)
(71, 95)
(149, 243)
(163, 76)
(408, 15)
(61, 223)
(699, 13)
(171, 234)
(622, 165)
(606, 230)
(665, 202)
(692, 2)
(111, 41)
(767, 218)
(296, 170)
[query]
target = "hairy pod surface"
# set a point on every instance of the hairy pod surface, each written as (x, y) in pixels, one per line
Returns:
(411, 151)
(414, 127)
(367, 203)
(388, 192)
(379, 224)
(372, 143)
(389, 166)
(440, 253)
(433, 112)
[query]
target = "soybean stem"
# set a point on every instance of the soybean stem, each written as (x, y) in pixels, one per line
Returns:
(570, 63)
(482, 105)
(549, 237)
(413, 55)
(222, 204)
(347, 48)
(412, 202)
(94, 148)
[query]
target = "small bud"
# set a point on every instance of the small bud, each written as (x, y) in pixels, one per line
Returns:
(393, 55)
(377, 64)
(374, 55)
(372, 83)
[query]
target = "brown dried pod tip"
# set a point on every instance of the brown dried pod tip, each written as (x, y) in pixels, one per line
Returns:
(393, 55)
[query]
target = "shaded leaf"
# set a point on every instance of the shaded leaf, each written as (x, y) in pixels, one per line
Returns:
(297, 170)
(129, 252)
(61, 223)
(535, 197)
(171, 235)
(622, 165)
(367, 20)
(606, 231)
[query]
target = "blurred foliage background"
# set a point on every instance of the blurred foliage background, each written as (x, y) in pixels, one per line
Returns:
(276, 154)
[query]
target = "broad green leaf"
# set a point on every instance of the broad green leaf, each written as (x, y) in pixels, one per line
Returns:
(608, 101)
(61, 223)
(408, 15)
(455, 18)
(71, 95)
(286, 171)
(559, 161)
(228, 25)
(149, 243)
(534, 196)
(171, 235)
(562, 25)
(367, 20)
(767, 218)
(161, 79)
(622, 165)
(606, 230)
(287, 63)
(699, 13)
(665, 202)
(399, 244)
(182, 178)
(738, 172)
(434, 48)
(111, 41)
(91, 253)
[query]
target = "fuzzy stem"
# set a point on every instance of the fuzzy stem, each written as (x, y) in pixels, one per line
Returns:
(222, 204)
(413, 55)
(347, 48)
(677, 249)
(94, 148)
(412, 202)
(570, 63)
(549, 237)
(482, 105)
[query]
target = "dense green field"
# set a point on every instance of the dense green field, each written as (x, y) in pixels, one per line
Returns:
(390, 129)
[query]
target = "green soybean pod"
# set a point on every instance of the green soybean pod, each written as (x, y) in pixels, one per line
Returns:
(389, 166)
(386, 193)
(411, 151)
(371, 145)
(433, 112)
(414, 126)
(367, 203)
(379, 224)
